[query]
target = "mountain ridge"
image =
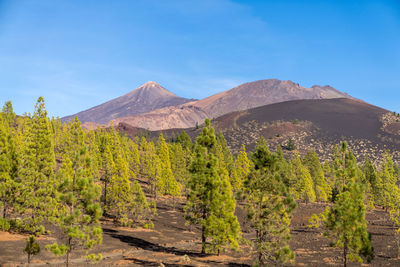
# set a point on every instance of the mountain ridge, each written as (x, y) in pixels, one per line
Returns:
(242, 97)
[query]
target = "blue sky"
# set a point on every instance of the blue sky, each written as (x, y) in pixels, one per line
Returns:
(78, 54)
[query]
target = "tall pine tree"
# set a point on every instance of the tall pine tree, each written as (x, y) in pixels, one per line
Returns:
(208, 188)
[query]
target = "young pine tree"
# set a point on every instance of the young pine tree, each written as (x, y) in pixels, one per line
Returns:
(241, 170)
(150, 166)
(302, 186)
(180, 159)
(346, 223)
(79, 210)
(36, 171)
(167, 184)
(7, 182)
(389, 179)
(269, 208)
(209, 189)
(321, 187)
(32, 247)
(125, 198)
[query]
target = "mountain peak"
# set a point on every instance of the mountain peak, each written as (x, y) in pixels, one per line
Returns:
(154, 89)
(150, 84)
(147, 97)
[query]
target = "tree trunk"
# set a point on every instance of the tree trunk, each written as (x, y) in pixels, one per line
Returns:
(203, 240)
(68, 251)
(203, 236)
(4, 208)
(105, 197)
(29, 258)
(345, 253)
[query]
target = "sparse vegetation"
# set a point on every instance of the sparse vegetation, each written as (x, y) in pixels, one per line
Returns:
(76, 183)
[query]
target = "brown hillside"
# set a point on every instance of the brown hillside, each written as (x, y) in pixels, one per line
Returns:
(317, 124)
(242, 97)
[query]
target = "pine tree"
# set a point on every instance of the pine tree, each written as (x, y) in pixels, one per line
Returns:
(269, 207)
(150, 166)
(374, 181)
(224, 154)
(184, 139)
(8, 113)
(303, 186)
(321, 187)
(167, 184)
(344, 168)
(389, 179)
(6, 179)
(208, 188)
(180, 160)
(394, 211)
(346, 223)
(79, 210)
(222, 224)
(31, 248)
(36, 169)
(108, 168)
(125, 198)
(241, 170)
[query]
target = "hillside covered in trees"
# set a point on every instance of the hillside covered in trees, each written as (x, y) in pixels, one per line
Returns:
(63, 183)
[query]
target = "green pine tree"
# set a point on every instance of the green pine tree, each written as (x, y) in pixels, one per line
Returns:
(167, 184)
(346, 223)
(31, 248)
(241, 170)
(303, 186)
(36, 169)
(269, 207)
(78, 210)
(208, 189)
(322, 188)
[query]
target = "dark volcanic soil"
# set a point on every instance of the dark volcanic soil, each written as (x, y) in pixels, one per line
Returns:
(175, 244)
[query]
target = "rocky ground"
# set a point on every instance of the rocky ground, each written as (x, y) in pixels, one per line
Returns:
(173, 243)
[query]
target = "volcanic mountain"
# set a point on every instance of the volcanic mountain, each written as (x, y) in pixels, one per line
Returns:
(148, 97)
(242, 97)
(317, 124)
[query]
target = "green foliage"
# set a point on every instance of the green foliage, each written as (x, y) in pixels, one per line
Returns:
(31, 248)
(374, 182)
(321, 186)
(4, 224)
(389, 178)
(185, 141)
(79, 210)
(210, 201)
(346, 223)
(123, 198)
(291, 145)
(167, 185)
(36, 171)
(344, 168)
(302, 186)
(240, 170)
(180, 158)
(269, 207)
(150, 166)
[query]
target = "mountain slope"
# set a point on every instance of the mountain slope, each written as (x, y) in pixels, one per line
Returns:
(317, 124)
(245, 96)
(145, 98)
